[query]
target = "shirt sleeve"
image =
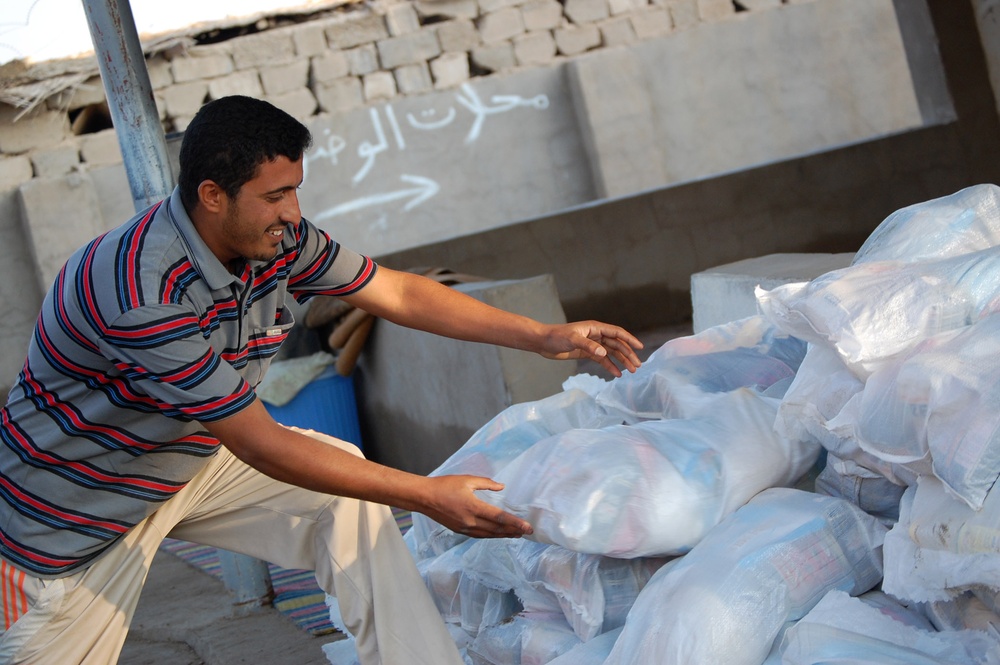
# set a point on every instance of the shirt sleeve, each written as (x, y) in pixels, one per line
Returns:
(322, 266)
(161, 352)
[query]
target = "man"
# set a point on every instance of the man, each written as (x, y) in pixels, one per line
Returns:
(135, 417)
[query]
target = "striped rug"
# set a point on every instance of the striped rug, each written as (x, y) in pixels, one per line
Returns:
(296, 593)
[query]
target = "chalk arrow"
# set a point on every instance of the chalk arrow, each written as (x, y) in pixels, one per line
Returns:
(423, 189)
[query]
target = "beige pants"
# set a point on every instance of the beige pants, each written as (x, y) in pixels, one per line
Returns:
(354, 546)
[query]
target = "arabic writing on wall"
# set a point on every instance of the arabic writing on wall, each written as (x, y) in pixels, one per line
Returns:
(417, 189)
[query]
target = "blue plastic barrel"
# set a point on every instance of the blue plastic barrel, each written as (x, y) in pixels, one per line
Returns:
(327, 404)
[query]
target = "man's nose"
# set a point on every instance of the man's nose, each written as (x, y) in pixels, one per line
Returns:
(291, 213)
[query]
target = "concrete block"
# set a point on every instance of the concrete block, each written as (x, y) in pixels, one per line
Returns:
(651, 23)
(83, 94)
(355, 29)
(330, 66)
(458, 35)
(726, 293)
(500, 25)
(36, 129)
(339, 95)
(160, 72)
(184, 99)
(715, 10)
(262, 49)
(56, 161)
(19, 291)
(180, 122)
(282, 79)
(574, 40)
(412, 79)
(60, 216)
(683, 13)
(245, 82)
(401, 19)
(408, 49)
(15, 170)
(487, 6)
(586, 11)
(450, 69)
(378, 86)
(309, 40)
(755, 5)
(420, 396)
(111, 183)
(447, 8)
(299, 103)
(494, 57)
(542, 15)
(101, 148)
(362, 60)
(617, 31)
(535, 48)
(626, 6)
(197, 65)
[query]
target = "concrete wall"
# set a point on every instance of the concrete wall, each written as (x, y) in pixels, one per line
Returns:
(630, 259)
(497, 173)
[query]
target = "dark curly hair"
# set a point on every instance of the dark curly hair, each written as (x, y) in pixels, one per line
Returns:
(229, 138)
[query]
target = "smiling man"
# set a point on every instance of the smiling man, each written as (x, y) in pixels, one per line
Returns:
(135, 417)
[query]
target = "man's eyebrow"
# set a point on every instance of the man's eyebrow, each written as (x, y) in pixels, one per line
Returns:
(282, 189)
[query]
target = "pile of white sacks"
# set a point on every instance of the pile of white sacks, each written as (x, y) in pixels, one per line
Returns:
(809, 485)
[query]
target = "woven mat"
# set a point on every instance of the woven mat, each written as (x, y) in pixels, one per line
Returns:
(296, 593)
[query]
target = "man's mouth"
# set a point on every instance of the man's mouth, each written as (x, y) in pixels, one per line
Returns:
(277, 233)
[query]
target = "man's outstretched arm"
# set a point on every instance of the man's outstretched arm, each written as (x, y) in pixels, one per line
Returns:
(417, 302)
(285, 455)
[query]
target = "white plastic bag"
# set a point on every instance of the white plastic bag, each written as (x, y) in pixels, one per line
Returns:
(940, 546)
(656, 488)
(592, 592)
(674, 380)
(767, 564)
(940, 405)
(841, 629)
(960, 223)
(495, 444)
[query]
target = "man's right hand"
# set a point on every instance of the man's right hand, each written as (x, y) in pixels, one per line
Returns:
(453, 503)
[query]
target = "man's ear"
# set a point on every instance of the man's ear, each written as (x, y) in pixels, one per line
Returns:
(211, 196)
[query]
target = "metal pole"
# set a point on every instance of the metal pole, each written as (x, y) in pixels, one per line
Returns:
(147, 165)
(130, 100)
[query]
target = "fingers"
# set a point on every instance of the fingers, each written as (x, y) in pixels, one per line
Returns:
(498, 524)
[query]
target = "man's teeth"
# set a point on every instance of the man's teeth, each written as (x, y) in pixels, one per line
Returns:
(278, 233)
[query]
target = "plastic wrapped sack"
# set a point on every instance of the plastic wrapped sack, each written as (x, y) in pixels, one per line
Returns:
(767, 564)
(593, 652)
(495, 444)
(960, 223)
(940, 546)
(874, 312)
(592, 592)
(965, 611)
(841, 629)
(941, 403)
(652, 489)
(672, 382)
(525, 640)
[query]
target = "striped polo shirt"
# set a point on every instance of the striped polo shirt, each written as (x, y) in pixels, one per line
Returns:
(143, 336)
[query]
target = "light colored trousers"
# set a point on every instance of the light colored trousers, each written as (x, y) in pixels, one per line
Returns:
(354, 546)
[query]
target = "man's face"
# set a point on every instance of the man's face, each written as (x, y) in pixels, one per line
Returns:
(258, 217)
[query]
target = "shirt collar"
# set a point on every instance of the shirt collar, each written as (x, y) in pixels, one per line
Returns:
(204, 261)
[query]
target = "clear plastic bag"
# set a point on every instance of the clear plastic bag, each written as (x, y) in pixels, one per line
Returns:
(674, 380)
(655, 488)
(841, 629)
(960, 223)
(767, 564)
